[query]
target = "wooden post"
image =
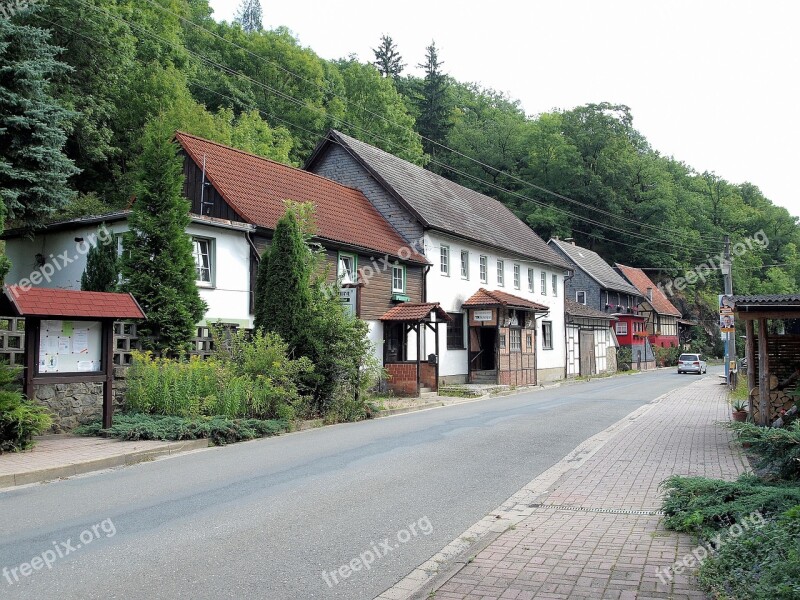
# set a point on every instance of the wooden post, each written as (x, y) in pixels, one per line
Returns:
(436, 335)
(108, 363)
(763, 373)
(419, 358)
(31, 354)
(750, 353)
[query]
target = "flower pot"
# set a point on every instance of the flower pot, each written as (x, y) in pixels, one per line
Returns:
(739, 416)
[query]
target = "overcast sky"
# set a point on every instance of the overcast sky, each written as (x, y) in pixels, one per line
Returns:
(712, 83)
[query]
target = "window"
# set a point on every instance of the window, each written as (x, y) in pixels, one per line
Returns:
(622, 328)
(398, 279)
(202, 260)
(547, 335)
(530, 281)
(464, 264)
(529, 339)
(555, 286)
(502, 341)
(580, 297)
(516, 340)
(544, 283)
(484, 269)
(455, 332)
(444, 260)
(347, 268)
(516, 277)
(500, 272)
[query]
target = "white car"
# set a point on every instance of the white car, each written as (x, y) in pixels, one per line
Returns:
(691, 363)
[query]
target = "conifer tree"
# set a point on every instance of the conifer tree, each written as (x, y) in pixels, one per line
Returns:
(102, 267)
(249, 16)
(33, 167)
(388, 59)
(433, 103)
(158, 265)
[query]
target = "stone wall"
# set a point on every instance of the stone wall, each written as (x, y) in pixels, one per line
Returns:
(71, 404)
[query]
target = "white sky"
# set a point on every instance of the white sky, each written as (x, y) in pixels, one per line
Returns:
(712, 83)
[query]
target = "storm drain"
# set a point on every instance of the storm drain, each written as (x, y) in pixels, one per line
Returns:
(613, 511)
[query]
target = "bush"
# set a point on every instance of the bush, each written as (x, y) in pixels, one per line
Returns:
(667, 357)
(624, 358)
(20, 419)
(219, 430)
(777, 448)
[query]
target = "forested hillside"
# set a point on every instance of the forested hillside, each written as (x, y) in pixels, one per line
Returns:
(107, 70)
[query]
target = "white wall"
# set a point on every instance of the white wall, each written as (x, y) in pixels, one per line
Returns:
(228, 299)
(451, 291)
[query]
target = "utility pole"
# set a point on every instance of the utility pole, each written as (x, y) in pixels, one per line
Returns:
(730, 346)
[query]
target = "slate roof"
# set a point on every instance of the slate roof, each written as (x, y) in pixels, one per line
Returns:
(53, 302)
(256, 187)
(581, 310)
(595, 267)
(642, 282)
(415, 311)
(447, 206)
(484, 297)
(767, 299)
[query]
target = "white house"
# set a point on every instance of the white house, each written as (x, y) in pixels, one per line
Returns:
(501, 284)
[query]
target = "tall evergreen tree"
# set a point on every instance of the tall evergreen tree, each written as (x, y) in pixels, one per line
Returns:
(102, 267)
(158, 266)
(433, 103)
(249, 16)
(5, 264)
(387, 58)
(286, 286)
(33, 167)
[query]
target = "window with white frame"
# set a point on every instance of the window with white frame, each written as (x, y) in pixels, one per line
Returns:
(516, 340)
(622, 328)
(347, 268)
(580, 297)
(398, 279)
(484, 269)
(547, 335)
(531, 277)
(201, 248)
(500, 272)
(516, 277)
(464, 264)
(444, 260)
(544, 283)
(555, 286)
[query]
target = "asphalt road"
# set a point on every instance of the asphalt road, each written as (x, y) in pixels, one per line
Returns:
(265, 519)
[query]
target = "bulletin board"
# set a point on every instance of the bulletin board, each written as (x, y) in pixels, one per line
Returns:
(70, 346)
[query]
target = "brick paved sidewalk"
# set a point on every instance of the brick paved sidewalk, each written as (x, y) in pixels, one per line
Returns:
(572, 546)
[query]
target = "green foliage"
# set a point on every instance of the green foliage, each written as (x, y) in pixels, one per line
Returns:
(433, 102)
(220, 430)
(387, 59)
(34, 171)
(778, 448)
(702, 506)
(624, 358)
(20, 419)
(249, 16)
(667, 357)
(102, 266)
(158, 266)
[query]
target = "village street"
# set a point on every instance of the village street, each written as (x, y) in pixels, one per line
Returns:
(265, 519)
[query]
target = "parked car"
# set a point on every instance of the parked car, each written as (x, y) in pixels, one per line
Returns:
(691, 363)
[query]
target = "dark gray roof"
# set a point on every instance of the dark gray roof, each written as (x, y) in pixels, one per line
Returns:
(447, 206)
(767, 299)
(581, 310)
(595, 267)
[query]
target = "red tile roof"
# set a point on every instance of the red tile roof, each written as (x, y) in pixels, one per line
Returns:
(54, 302)
(256, 188)
(414, 311)
(484, 297)
(642, 282)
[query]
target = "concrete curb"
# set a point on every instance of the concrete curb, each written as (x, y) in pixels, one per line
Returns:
(423, 581)
(122, 460)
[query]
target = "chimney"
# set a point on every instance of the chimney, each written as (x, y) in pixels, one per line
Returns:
(650, 294)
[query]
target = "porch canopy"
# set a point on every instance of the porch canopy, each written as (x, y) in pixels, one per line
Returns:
(484, 298)
(778, 358)
(417, 317)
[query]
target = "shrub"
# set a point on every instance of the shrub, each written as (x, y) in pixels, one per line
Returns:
(219, 430)
(777, 448)
(667, 357)
(624, 358)
(20, 419)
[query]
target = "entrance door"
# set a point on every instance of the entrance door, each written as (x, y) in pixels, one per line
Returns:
(395, 340)
(587, 353)
(483, 354)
